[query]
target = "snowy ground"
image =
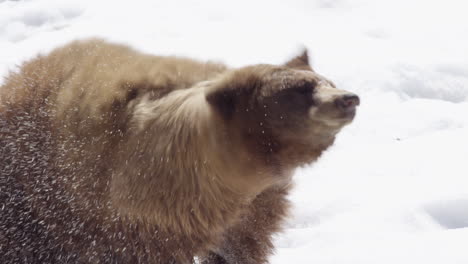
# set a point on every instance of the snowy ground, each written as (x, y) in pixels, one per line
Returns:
(394, 188)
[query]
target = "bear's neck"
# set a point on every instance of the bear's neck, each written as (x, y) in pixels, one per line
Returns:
(181, 168)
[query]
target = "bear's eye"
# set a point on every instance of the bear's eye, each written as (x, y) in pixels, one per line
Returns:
(305, 88)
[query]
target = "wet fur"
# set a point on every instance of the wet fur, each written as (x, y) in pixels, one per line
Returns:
(113, 156)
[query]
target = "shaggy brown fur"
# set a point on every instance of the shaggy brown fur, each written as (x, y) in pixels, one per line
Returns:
(113, 156)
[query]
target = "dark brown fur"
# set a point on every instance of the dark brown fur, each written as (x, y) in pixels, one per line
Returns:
(112, 156)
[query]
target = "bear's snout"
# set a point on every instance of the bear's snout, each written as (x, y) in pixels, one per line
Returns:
(347, 103)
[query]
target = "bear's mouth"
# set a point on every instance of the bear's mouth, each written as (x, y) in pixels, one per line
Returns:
(339, 120)
(348, 115)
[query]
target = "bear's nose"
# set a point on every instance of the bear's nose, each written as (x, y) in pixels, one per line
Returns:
(347, 102)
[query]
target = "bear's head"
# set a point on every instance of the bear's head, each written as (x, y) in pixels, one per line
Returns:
(285, 115)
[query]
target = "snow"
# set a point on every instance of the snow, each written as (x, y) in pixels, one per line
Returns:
(394, 187)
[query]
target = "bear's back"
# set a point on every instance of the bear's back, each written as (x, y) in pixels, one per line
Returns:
(90, 79)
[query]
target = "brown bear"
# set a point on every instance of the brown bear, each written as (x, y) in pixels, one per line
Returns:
(108, 155)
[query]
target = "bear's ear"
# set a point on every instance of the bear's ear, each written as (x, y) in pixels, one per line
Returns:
(224, 101)
(300, 62)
